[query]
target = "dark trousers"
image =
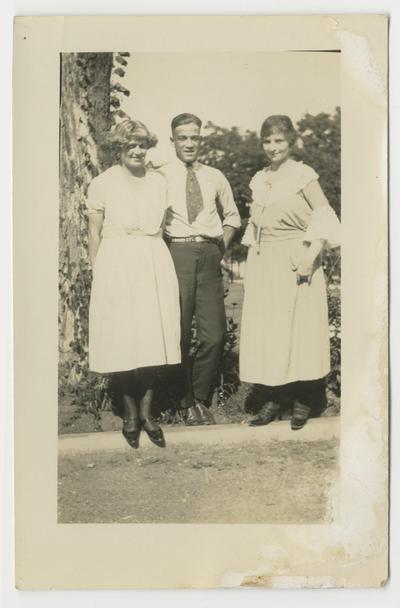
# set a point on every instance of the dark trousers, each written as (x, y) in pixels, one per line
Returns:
(201, 289)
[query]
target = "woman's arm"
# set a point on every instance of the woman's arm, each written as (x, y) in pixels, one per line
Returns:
(315, 195)
(95, 226)
(311, 249)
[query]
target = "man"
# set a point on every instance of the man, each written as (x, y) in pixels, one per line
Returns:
(198, 239)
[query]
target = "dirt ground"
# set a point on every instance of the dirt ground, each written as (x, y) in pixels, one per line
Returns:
(259, 482)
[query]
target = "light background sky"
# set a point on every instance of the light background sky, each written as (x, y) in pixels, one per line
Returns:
(230, 89)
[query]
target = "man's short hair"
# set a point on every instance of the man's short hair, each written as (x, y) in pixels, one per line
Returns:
(185, 119)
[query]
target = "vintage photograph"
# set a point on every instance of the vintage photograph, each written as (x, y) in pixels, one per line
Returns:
(200, 300)
(199, 372)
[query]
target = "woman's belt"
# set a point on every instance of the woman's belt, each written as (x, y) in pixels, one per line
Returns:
(262, 236)
(112, 231)
(268, 238)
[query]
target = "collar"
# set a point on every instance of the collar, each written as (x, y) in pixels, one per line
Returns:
(196, 165)
(288, 164)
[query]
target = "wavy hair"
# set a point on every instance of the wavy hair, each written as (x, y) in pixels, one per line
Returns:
(121, 137)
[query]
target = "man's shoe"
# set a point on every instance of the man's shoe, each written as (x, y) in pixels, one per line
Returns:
(192, 418)
(204, 414)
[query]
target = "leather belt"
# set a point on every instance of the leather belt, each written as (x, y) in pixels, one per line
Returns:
(192, 239)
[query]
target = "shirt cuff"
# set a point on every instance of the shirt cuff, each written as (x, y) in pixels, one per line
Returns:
(232, 223)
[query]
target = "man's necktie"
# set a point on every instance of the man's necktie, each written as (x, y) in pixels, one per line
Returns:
(194, 198)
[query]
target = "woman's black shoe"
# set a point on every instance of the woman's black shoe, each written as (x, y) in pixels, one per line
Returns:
(132, 435)
(262, 420)
(300, 416)
(268, 415)
(155, 435)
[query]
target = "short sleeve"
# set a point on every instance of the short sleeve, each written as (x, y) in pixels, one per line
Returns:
(95, 201)
(306, 174)
(226, 202)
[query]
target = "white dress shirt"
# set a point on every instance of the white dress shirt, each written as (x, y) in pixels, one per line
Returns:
(217, 199)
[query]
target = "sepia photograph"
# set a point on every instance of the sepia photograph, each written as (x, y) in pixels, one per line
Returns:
(199, 294)
(200, 302)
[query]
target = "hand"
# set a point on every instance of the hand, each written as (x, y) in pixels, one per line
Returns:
(305, 269)
(223, 247)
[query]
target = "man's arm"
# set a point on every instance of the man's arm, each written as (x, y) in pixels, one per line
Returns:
(229, 233)
(231, 218)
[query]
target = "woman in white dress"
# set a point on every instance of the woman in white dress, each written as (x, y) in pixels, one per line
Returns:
(284, 335)
(134, 316)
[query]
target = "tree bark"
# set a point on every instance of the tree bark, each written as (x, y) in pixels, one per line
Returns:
(84, 117)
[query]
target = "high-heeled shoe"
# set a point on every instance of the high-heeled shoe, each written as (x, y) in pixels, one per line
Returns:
(155, 435)
(132, 435)
(301, 413)
(268, 415)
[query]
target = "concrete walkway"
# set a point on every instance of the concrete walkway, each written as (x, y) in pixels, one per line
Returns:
(316, 429)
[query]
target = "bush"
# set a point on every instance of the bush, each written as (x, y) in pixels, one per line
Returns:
(332, 269)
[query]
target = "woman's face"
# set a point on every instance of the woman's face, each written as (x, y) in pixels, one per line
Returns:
(276, 147)
(134, 156)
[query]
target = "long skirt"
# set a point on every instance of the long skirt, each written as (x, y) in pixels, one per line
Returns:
(284, 332)
(134, 316)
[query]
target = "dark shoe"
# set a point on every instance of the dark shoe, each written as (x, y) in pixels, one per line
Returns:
(203, 413)
(154, 433)
(192, 418)
(131, 431)
(262, 420)
(300, 416)
(268, 415)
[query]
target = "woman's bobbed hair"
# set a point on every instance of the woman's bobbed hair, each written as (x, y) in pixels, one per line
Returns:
(120, 137)
(279, 124)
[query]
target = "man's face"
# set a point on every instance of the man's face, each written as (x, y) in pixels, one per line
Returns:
(187, 139)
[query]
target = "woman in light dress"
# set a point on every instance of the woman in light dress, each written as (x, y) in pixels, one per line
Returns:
(284, 336)
(134, 316)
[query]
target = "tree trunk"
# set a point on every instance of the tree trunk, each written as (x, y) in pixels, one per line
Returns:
(84, 117)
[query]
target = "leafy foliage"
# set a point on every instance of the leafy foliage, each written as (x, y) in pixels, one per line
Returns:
(320, 136)
(331, 266)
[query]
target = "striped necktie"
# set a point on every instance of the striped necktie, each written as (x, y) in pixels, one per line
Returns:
(194, 198)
